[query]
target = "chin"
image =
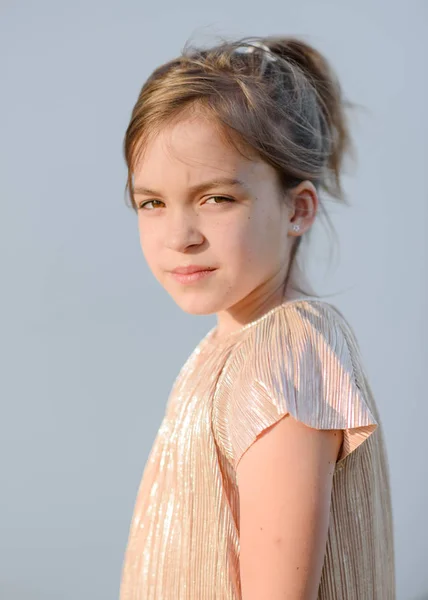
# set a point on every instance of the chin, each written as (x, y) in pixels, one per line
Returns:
(196, 304)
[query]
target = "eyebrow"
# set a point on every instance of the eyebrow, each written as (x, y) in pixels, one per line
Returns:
(200, 187)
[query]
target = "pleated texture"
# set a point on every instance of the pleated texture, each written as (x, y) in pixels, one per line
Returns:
(301, 358)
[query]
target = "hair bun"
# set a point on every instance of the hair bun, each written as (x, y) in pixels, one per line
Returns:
(323, 78)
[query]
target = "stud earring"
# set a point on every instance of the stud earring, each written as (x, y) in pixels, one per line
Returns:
(296, 228)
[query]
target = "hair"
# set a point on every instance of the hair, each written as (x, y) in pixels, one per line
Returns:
(276, 97)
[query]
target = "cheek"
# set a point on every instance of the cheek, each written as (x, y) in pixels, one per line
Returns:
(149, 244)
(264, 230)
(248, 243)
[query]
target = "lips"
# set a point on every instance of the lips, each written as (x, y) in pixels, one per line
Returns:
(191, 269)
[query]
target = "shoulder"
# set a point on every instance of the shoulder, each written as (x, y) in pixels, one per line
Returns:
(302, 330)
(304, 315)
(299, 359)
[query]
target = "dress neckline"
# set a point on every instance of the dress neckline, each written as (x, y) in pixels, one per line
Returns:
(233, 334)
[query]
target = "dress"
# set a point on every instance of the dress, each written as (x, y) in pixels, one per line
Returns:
(300, 358)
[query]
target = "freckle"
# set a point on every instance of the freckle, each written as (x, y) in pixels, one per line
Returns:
(298, 568)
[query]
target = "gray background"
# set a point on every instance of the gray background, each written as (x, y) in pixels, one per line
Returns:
(91, 344)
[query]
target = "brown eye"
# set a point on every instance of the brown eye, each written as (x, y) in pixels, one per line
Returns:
(144, 204)
(223, 198)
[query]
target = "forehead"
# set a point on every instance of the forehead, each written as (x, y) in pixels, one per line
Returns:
(191, 149)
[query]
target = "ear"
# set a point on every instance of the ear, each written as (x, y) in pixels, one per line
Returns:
(303, 202)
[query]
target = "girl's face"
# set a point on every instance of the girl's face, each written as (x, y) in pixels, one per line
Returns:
(200, 202)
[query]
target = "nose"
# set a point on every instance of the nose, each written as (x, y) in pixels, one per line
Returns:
(182, 231)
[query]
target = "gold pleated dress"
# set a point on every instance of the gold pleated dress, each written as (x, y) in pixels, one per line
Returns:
(300, 358)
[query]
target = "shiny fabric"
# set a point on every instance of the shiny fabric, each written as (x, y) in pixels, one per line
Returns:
(300, 358)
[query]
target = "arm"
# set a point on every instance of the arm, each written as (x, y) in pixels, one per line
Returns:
(285, 482)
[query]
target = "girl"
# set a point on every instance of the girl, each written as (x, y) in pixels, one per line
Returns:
(268, 479)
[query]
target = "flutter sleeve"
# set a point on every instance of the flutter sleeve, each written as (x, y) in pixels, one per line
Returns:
(301, 360)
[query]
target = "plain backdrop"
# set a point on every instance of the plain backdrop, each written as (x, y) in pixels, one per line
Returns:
(91, 344)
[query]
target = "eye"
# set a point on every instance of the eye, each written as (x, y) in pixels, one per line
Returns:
(225, 198)
(144, 204)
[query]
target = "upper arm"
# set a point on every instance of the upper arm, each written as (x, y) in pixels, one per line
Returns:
(285, 482)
